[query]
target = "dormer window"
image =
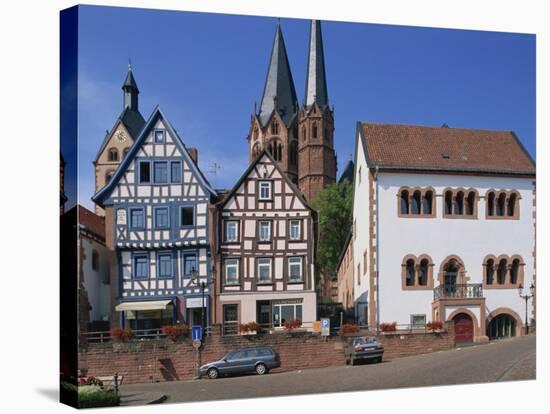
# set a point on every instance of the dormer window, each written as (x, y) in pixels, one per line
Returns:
(264, 190)
(158, 136)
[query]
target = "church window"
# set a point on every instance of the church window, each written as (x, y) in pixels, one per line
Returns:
(108, 176)
(304, 133)
(112, 154)
(314, 130)
(187, 216)
(125, 151)
(275, 128)
(404, 202)
(144, 172)
(294, 153)
(255, 133)
(160, 172)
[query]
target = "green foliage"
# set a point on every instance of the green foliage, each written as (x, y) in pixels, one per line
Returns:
(90, 396)
(335, 215)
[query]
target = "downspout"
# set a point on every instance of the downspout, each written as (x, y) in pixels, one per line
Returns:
(377, 251)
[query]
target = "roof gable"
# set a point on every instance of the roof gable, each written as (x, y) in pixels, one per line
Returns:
(136, 150)
(412, 147)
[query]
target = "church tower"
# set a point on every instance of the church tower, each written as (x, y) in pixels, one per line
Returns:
(274, 126)
(120, 138)
(316, 156)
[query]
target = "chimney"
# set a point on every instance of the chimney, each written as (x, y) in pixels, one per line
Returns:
(194, 154)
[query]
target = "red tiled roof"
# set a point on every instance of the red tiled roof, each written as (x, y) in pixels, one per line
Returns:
(445, 149)
(91, 221)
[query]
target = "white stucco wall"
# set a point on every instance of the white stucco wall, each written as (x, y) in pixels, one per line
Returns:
(99, 294)
(471, 240)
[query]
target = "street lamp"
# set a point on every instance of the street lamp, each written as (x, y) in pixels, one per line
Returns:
(195, 281)
(526, 298)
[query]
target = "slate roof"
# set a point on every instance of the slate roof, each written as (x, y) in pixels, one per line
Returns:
(316, 82)
(279, 84)
(348, 172)
(413, 147)
(130, 81)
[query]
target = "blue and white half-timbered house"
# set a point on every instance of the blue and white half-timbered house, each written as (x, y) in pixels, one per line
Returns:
(157, 225)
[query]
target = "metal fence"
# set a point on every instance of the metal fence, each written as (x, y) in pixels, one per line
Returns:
(466, 291)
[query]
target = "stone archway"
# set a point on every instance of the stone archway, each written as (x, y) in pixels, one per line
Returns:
(512, 327)
(457, 314)
(461, 271)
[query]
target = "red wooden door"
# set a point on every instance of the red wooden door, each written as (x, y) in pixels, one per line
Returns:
(464, 328)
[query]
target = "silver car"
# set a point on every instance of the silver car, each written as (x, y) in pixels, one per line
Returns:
(244, 360)
(364, 348)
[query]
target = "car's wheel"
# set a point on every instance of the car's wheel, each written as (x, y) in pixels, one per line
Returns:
(212, 373)
(261, 369)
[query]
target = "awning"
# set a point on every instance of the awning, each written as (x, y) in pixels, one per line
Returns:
(148, 305)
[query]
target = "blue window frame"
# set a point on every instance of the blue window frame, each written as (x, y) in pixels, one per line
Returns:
(144, 172)
(164, 265)
(162, 220)
(158, 136)
(140, 266)
(175, 172)
(160, 172)
(137, 218)
(189, 263)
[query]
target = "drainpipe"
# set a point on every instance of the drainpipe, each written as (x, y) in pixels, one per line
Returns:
(377, 251)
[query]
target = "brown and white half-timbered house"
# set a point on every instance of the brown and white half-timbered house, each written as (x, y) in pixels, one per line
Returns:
(266, 249)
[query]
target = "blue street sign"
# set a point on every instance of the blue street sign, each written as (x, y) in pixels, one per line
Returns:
(325, 326)
(196, 332)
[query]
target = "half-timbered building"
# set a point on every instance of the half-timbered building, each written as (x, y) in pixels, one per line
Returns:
(157, 226)
(266, 249)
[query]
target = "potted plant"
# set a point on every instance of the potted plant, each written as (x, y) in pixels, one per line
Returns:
(175, 331)
(434, 326)
(388, 327)
(250, 328)
(292, 324)
(349, 328)
(122, 334)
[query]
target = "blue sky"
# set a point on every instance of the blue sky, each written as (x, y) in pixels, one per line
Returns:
(206, 70)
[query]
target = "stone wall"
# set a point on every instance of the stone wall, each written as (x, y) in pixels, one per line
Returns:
(166, 360)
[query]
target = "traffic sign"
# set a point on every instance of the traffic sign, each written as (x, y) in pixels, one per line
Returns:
(196, 332)
(325, 326)
(197, 344)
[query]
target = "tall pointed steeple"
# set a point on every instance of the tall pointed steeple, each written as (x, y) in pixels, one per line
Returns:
(316, 83)
(279, 92)
(131, 90)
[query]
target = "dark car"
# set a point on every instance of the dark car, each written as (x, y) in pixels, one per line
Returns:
(244, 360)
(364, 348)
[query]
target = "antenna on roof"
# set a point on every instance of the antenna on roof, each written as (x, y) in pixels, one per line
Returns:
(213, 171)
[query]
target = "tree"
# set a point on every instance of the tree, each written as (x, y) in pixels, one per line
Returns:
(335, 215)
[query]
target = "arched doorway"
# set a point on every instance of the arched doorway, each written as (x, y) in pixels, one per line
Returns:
(502, 326)
(464, 327)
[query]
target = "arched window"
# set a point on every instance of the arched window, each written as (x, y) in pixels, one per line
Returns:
(423, 272)
(294, 153)
(275, 128)
(449, 202)
(491, 204)
(404, 202)
(270, 150)
(410, 273)
(501, 202)
(451, 274)
(512, 204)
(125, 151)
(459, 203)
(415, 207)
(489, 271)
(501, 272)
(427, 201)
(113, 154)
(314, 130)
(514, 271)
(470, 203)
(108, 176)
(304, 133)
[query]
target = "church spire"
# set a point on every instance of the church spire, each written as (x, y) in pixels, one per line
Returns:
(131, 90)
(279, 92)
(316, 83)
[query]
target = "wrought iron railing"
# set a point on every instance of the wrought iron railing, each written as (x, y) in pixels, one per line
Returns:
(105, 336)
(467, 291)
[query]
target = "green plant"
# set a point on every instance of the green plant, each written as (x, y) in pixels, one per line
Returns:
(122, 334)
(388, 327)
(90, 396)
(175, 331)
(291, 324)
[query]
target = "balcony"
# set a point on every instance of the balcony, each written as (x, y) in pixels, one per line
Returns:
(468, 291)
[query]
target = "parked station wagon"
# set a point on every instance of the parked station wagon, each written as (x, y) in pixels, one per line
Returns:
(244, 360)
(364, 348)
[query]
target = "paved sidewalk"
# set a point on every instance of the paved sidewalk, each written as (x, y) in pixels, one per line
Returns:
(129, 398)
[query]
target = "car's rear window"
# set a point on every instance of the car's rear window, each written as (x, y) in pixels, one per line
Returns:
(364, 340)
(264, 352)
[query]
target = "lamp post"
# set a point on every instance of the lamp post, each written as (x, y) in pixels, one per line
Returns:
(195, 281)
(526, 298)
